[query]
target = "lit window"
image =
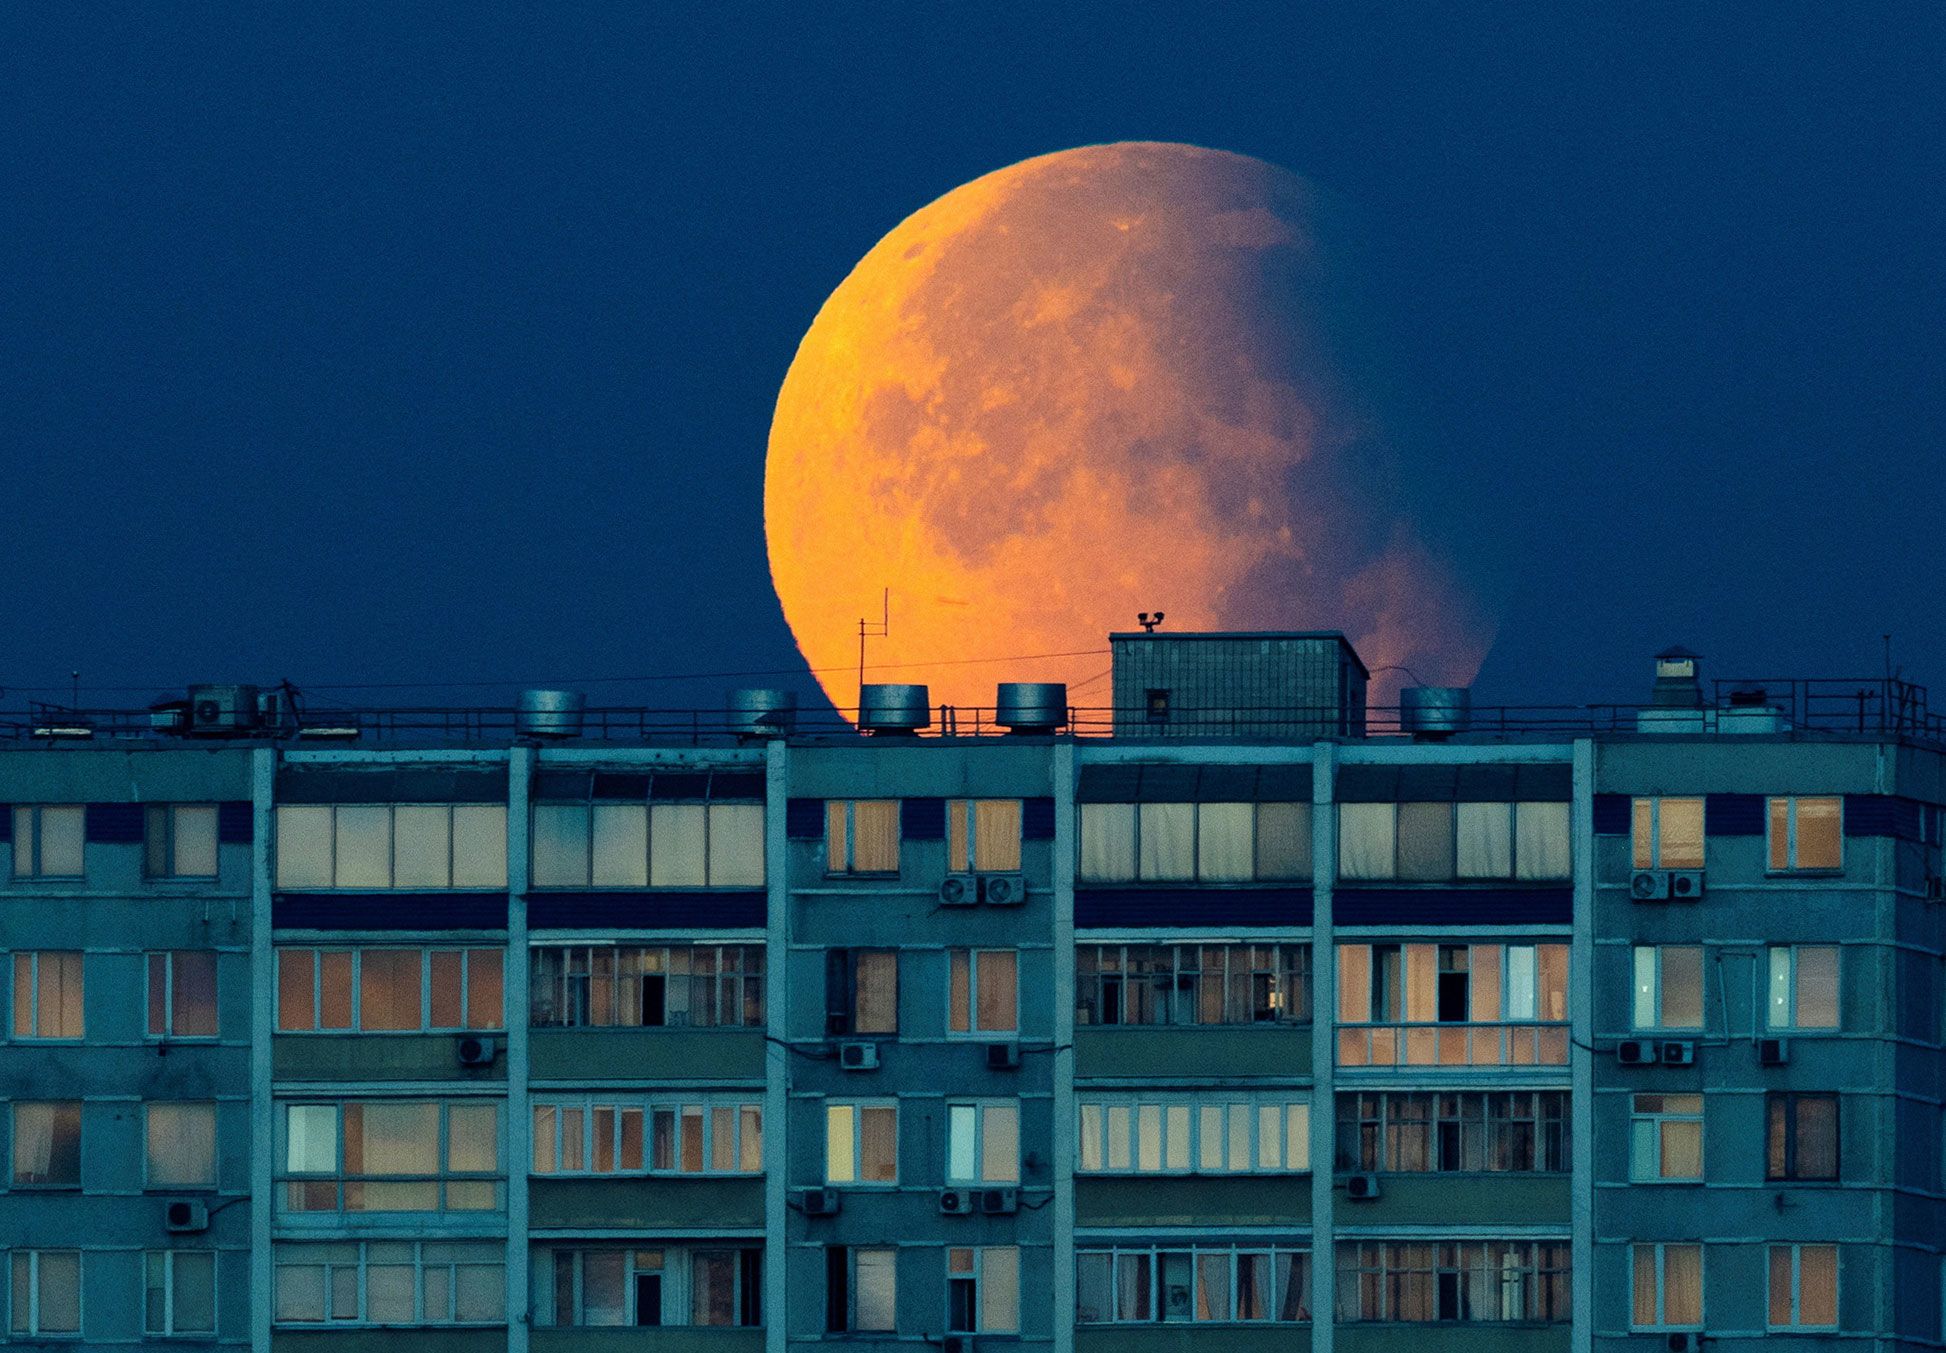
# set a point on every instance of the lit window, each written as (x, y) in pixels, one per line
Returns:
(182, 994)
(982, 990)
(1668, 833)
(390, 1156)
(389, 990)
(862, 836)
(1470, 1132)
(179, 840)
(691, 986)
(1200, 842)
(46, 1292)
(47, 1144)
(625, 1137)
(383, 846)
(983, 1290)
(48, 995)
(861, 991)
(1452, 1004)
(1668, 986)
(1666, 1138)
(179, 1292)
(48, 840)
(181, 1146)
(983, 1143)
(1668, 1287)
(1803, 1287)
(1802, 1136)
(390, 1282)
(1193, 1283)
(861, 1143)
(1803, 986)
(1806, 834)
(1204, 1134)
(983, 835)
(861, 1290)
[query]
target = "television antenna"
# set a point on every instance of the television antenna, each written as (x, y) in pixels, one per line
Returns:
(872, 629)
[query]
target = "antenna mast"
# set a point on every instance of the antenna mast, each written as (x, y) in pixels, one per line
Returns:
(868, 629)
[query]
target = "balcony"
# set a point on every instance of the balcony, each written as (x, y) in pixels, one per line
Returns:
(1452, 1046)
(653, 1054)
(1174, 1050)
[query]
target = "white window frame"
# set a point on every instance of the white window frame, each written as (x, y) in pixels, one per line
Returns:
(963, 837)
(33, 1004)
(483, 882)
(29, 1322)
(980, 1109)
(168, 1258)
(855, 1178)
(161, 834)
(1797, 1283)
(1791, 866)
(148, 1153)
(30, 840)
(1662, 1249)
(442, 1175)
(1655, 802)
(360, 1263)
(1146, 1256)
(168, 957)
(1790, 953)
(705, 1112)
(972, 1032)
(1190, 1116)
(357, 992)
(14, 1182)
(1195, 875)
(1646, 1129)
(979, 1280)
(1654, 988)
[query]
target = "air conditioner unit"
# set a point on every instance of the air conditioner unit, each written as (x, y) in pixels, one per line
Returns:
(1637, 1052)
(858, 1056)
(1685, 885)
(818, 1202)
(956, 1202)
(475, 1051)
(221, 711)
(186, 1216)
(959, 890)
(1685, 1342)
(1003, 1056)
(1678, 1052)
(1362, 1188)
(999, 1202)
(1649, 885)
(1003, 890)
(1773, 1051)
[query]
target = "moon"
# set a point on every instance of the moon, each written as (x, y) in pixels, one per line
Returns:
(1113, 379)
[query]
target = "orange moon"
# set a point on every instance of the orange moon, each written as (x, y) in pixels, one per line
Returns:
(1113, 379)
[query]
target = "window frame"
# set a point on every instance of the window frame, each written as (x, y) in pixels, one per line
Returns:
(32, 1006)
(1791, 1170)
(676, 1270)
(1791, 867)
(1257, 877)
(1386, 1130)
(1648, 854)
(492, 1255)
(1523, 865)
(33, 816)
(491, 882)
(152, 1185)
(978, 1279)
(858, 1107)
(1658, 989)
(355, 993)
(748, 980)
(14, 1182)
(589, 833)
(1147, 1258)
(1661, 1249)
(963, 836)
(29, 1323)
(1792, 956)
(1192, 1111)
(162, 835)
(171, 1015)
(1291, 968)
(968, 960)
(589, 1108)
(1657, 1121)
(168, 1261)
(981, 1110)
(847, 1320)
(1796, 1250)
(288, 1182)
(848, 809)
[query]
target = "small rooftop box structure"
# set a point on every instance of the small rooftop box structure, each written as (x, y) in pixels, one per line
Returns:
(1275, 685)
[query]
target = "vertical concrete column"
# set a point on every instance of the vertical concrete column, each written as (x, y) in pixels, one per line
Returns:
(1063, 1086)
(520, 1118)
(1324, 1047)
(777, 1157)
(1581, 1004)
(263, 1022)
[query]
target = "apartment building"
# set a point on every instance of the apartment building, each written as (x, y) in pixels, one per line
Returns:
(1239, 1017)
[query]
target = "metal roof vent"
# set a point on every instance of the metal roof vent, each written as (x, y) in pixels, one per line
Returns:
(894, 709)
(760, 713)
(1031, 706)
(549, 714)
(1431, 712)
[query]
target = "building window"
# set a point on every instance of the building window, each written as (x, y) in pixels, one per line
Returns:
(47, 1144)
(182, 994)
(983, 1143)
(1806, 835)
(1131, 1286)
(179, 840)
(1489, 1281)
(1192, 984)
(982, 991)
(644, 845)
(983, 1290)
(1668, 986)
(693, 986)
(1803, 986)
(861, 1290)
(1390, 1131)
(179, 1292)
(1666, 1139)
(181, 1146)
(391, 1282)
(390, 1156)
(861, 1143)
(1452, 1004)
(46, 1292)
(1195, 842)
(378, 845)
(1668, 1287)
(48, 995)
(1441, 841)
(648, 1287)
(861, 836)
(1803, 1287)
(48, 841)
(1194, 1133)
(861, 991)
(648, 1137)
(1803, 1136)
(1667, 833)
(389, 990)
(983, 836)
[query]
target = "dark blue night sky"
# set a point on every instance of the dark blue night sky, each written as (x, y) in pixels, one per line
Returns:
(412, 344)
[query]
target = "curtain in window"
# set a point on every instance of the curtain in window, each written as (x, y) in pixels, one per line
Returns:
(879, 1139)
(422, 845)
(1817, 987)
(998, 995)
(1354, 983)
(1484, 840)
(479, 845)
(1421, 983)
(619, 845)
(1134, 1279)
(736, 845)
(363, 845)
(391, 1139)
(59, 1291)
(1425, 841)
(1817, 1285)
(388, 989)
(875, 978)
(996, 834)
(1000, 1144)
(1107, 842)
(713, 1287)
(1679, 833)
(1682, 1284)
(35, 1129)
(1366, 837)
(193, 981)
(677, 845)
(875, 1278)
(195, 841)
(1682, 986)
(560, 845)
(1820, 839)
(1000, 1288)
(1553, 980)
(1225, 842)
(1283, 840)
(1167, 840)
(182, 1145)
(1541, 831)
